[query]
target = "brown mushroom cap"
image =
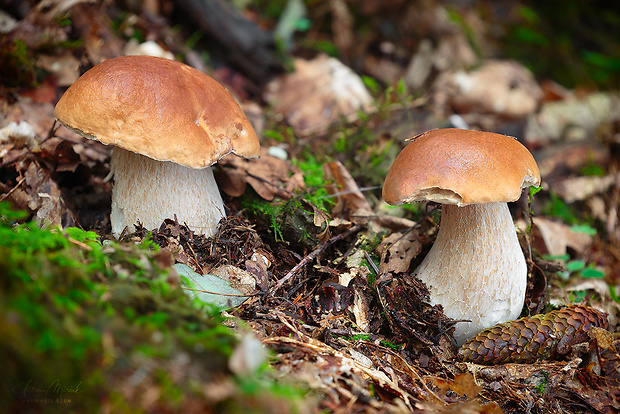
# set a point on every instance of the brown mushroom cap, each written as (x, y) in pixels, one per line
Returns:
(159, 108)
(459, 166)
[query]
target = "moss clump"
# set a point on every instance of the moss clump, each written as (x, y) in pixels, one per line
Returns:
(86, 325)
(296, 220)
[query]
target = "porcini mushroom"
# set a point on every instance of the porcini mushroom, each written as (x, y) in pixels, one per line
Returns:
(476, 268)
(170, 123)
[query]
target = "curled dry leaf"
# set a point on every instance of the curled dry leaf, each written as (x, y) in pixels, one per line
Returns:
(349, 198)
(267, 175)
(40, 194)
(258, 270)
(361, 298)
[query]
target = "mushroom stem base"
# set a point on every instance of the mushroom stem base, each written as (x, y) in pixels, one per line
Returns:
(476, 268)
(149, 191)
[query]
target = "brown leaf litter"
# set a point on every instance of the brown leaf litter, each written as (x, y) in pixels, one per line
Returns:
(367, 339)
(369, 348)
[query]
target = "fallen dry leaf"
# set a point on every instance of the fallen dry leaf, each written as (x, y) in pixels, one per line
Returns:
(572, 120)
(239, 279)
(557, 237)
(451, 51)
(463, 385)
(318, 93)
(65, 68)
(45, 198)
(258, 270)
(504, 88)
(334, 364)
(397, 251)
(267, 175)
(581, 188)
(349, 199)
(95, 29)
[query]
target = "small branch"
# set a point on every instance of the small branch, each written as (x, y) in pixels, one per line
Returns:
(249, 295)
(315, 253)
(80, 244)
(371, 263)
(12, 189)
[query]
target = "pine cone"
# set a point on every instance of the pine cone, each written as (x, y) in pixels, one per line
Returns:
(535, 337)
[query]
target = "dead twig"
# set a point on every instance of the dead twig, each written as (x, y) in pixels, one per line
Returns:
(12, 189)
(80, 244)
(314, 254)
(371, 262)
(244, 295)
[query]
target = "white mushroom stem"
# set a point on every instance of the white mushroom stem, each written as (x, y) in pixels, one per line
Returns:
(149, 191)
(476, 268)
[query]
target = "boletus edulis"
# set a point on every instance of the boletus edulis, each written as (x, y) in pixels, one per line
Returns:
(476, 268)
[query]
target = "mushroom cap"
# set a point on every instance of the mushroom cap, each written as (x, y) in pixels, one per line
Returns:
(159, 108)
(459, 166)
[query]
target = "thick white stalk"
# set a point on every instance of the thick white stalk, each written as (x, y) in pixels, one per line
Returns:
(476, 268)
(149, 191)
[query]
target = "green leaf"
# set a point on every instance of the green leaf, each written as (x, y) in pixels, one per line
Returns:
(584, 228)
(575, 265)
(528, 14)
(576, 296)
(535, 190)
(209, 288)
(562, 257)
(592, 273)
(371, 83)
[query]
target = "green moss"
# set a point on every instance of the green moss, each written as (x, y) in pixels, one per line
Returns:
(569, 214)
(98, 324)
(542, 387)
(314, 178)
(17, 64)
(291, 220)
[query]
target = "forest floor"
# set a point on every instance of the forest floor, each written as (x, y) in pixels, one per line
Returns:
(316, 266)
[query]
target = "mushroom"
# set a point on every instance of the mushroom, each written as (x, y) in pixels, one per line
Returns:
(169, 123)
(476, 268)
